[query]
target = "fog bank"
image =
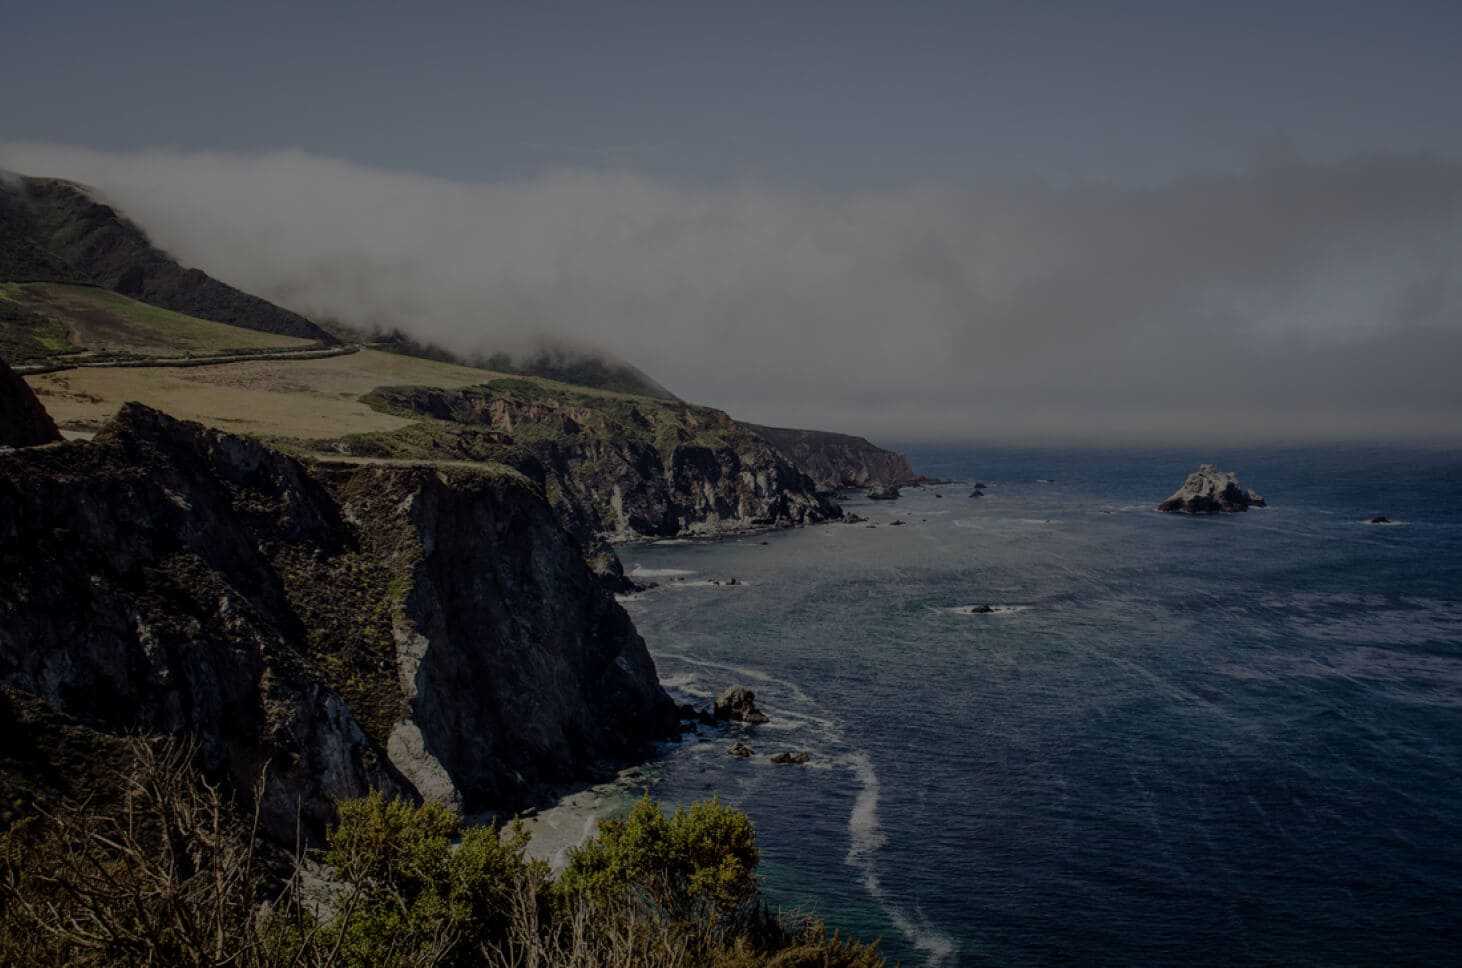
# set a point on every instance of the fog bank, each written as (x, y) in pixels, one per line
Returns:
(1291, 301)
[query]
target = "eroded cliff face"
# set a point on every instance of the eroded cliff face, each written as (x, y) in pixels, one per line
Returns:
(425, 632)
(613, 467)
(23, 421)
(837, 461)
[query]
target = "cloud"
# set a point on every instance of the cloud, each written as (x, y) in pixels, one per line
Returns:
(1290, 300)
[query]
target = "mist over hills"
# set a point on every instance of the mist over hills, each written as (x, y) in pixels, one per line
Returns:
(1289, 299)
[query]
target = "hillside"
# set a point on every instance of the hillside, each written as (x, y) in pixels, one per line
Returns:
(837, 461)
(56, 231)
(43, 322)
(584, 368)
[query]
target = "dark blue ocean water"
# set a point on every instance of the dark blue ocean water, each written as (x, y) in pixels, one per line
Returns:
(1221, 741)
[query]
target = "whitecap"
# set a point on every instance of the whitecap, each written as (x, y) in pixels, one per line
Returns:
(640, 571)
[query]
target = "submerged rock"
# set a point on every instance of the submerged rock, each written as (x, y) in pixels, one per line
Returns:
(981, 610)
(881, 492)
(1209, 490)
(739, 703)
(1379, 519)
(795, 759)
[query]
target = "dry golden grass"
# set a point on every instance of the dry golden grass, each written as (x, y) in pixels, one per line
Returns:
(308, 399)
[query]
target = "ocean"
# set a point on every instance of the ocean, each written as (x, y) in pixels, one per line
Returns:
(1231, 740)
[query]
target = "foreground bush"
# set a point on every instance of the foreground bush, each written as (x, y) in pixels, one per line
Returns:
(169, 874)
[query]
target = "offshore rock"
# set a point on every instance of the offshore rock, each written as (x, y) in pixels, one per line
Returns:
(883, 492)
(739, 703)
(793, 759)
(1209, 490)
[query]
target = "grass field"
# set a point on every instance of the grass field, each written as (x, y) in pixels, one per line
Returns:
(290, 398)
(103, 322)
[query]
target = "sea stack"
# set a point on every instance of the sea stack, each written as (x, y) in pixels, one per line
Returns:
(1209, 490)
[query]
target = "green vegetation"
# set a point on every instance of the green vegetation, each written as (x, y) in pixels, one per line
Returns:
(161, 869)
(43, 320)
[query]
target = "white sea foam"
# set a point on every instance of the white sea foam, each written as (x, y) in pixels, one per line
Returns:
(866, 839)
(864, 827)
(640, 571)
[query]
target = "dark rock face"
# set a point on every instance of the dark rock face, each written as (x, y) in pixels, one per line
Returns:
(55, 231)
(612, 467)
(417, 631)
(790, 759)
(883, 492)
(1209, 490)
(837, 461)
(23, 421)
(739, 703)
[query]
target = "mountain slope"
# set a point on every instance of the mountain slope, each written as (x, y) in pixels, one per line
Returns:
(838, 460)
(55, 231)
(46, 322)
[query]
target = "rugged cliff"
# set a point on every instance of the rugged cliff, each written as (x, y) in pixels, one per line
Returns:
(429, 631)
(23, 421)
(613, 466)
(839, 460)
(55, 231)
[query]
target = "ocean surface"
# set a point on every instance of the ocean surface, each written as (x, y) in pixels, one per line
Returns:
(1229, 741)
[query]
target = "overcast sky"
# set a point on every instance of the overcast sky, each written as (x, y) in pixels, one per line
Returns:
(1039, 221)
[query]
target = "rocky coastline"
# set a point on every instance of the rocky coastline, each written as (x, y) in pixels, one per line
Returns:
(430, 632)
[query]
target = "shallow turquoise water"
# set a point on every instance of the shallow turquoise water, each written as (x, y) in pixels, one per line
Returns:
(1218, 741)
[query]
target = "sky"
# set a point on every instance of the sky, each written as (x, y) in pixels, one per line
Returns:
(1027, 221)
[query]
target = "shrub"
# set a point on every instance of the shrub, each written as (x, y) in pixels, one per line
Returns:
(167, 873)
(418, 889)
(698, 864)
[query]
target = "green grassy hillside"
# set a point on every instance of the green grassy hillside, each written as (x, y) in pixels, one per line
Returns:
(42, 321)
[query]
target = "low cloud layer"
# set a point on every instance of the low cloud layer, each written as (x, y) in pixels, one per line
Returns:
(1290, 301)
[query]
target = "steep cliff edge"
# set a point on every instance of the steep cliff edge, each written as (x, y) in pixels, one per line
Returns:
(427, 631)
(613, 466)
(55, 231)
(23, 421)
(838, 461)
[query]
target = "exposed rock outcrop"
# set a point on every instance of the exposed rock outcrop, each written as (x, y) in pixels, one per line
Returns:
(739, 703)
(613, 467)
(23, 421)
(432, 632)
(56, 231)
(838, 461)
(883, 492)
(791, 759)
(1209, 490)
